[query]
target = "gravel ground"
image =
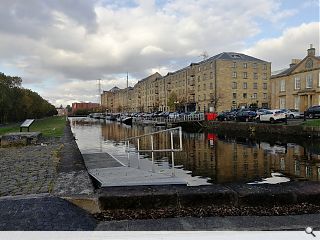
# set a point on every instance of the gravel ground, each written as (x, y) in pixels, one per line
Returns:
(207, 211)
(29, 169)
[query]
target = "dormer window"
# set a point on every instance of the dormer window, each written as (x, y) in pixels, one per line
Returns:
(235, 56)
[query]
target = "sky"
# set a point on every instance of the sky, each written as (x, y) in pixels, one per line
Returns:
(60, 48)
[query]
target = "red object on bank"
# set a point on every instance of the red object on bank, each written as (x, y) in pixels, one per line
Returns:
(211, 116)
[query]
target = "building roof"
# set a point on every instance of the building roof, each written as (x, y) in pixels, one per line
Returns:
(287, 71)
(234, 56)
(114, 89)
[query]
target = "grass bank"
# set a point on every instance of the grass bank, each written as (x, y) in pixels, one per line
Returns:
(49, 127)
(312, 123)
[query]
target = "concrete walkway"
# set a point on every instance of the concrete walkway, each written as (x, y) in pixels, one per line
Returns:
(42, 212)
(111, 172)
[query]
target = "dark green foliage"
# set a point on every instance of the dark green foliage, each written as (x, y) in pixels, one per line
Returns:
(17, 104)
(82, 112)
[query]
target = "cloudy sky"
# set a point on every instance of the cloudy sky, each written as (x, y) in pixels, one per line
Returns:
(61, 47)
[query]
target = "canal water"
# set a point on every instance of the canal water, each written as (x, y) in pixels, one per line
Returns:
(207, 157)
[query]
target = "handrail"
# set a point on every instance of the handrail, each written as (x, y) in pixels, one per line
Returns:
(153, 133)
(152, 150)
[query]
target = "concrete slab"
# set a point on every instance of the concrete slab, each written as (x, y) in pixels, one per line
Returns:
(19, 138)
(126, 176)
(100, 160)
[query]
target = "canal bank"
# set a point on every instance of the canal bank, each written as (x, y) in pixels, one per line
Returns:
(298, 130)
(48, 210)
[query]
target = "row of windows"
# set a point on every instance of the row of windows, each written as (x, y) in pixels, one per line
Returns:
(234, 85)
(245, 75)
(245, 65)
(234, 96)
(253, 96)
(297, 83)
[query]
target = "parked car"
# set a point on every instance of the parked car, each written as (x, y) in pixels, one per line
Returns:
(292, 113)
(261, 111)
(174, 115)
(246, 116)
(313, 112)
(226, 116)
(276, 115)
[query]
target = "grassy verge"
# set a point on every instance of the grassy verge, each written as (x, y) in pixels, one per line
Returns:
(312, 123)
(49, 127)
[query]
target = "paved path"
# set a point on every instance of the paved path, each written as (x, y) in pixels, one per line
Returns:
(42, 212)
(232, 223)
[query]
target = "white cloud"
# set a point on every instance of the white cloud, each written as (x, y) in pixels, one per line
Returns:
(293, 43)
(72, 43)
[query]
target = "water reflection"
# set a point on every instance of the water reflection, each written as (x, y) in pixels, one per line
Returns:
(218, 158)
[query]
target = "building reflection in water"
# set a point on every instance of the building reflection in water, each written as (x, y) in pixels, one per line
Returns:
(224, 158)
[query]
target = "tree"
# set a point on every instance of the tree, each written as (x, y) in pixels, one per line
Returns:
(17, 104)
(216, 100)
(172, 100)
(69, 108)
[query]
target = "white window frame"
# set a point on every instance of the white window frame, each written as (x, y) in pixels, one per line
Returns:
(282, 102)
(297, 102)
(245, 85)
(255, 85)
(297, 83)
(282, 85)
(309, 81)
(234, 74)
(255, 96)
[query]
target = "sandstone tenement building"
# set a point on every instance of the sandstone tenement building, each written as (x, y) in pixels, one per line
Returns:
(222, 82)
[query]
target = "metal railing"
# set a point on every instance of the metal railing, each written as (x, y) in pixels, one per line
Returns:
(184, 118)
(152, 150)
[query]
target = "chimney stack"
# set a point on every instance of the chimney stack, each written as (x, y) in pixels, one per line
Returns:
(294, 62)
(311, 51)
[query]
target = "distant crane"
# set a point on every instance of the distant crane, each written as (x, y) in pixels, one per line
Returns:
(99, 91)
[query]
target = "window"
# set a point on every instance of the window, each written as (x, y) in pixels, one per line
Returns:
(309, 81)
(255, 85)
(234, 85)
(264, 76)
(319, 80)
(204, 97)
(265, 86)
(255, 75)
(234, 95)
(282, 85)
(199, 78)
(282, 102)
(245, 65)
(255, 96)
(211, 85)
(265, 96)
(234, 74)
(234, 64)
(297, 102)
(244, 95)
(211, 75)
(297, 82)
(204, 86)
(254, 65)
(264, 67)
(199, 69)
(245, 75)
(245, 85)
(205, 76)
